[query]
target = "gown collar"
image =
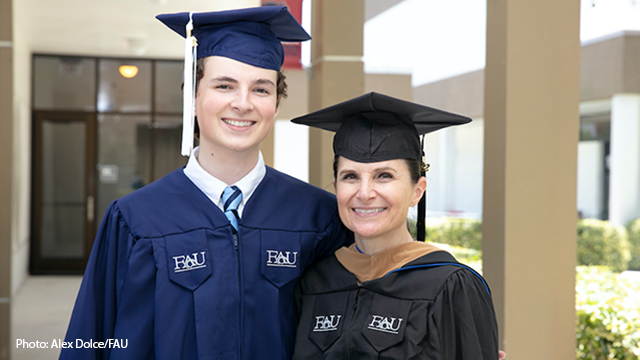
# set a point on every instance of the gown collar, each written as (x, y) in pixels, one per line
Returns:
(370, 267)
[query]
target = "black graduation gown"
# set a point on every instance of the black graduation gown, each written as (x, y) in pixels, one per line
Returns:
(431, 308)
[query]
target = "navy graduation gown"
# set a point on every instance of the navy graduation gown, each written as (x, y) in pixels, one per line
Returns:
(166, 278)
(431, 308)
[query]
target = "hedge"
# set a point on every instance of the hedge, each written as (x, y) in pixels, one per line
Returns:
(599, 242)
(633, 231)
(607, 321)
(466, 233)
(602, 243)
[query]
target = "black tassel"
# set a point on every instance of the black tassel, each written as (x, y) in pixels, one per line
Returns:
(422, 204)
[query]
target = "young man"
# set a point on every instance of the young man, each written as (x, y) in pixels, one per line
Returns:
(202, 263)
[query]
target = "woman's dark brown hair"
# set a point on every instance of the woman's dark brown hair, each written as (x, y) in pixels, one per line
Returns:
(412, 164)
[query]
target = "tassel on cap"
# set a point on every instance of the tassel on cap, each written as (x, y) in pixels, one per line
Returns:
(422, 204)
(188, 104)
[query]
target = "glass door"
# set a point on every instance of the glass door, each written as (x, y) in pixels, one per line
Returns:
(63, 224)
(102, 128)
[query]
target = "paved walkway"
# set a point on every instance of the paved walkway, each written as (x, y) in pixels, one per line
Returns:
(41, 312)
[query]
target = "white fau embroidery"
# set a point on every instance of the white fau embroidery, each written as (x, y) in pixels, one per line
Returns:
(282, 258)
(327, 323)
(385, 324)
(189, 262)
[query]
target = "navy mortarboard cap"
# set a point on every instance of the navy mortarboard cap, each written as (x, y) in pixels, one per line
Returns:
(251, 36)
(376, 127)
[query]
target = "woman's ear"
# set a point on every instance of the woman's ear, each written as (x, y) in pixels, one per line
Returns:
(419, 189)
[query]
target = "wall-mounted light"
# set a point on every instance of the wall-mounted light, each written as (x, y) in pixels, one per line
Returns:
(128, 71)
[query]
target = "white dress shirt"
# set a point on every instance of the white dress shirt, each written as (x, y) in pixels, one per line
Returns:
(213, 187)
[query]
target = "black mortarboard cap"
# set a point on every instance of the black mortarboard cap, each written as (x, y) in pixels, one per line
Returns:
(376, 127)
(250, 35)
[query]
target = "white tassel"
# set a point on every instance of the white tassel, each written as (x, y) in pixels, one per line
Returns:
(188, 103)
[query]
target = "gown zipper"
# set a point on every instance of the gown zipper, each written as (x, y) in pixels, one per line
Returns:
(354, 309)
(235, 244)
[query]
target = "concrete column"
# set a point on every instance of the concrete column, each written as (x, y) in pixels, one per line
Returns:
(624, 160)
(337, 73)
(267, 148)
(530, 159)
(446, 169)
(6, 174)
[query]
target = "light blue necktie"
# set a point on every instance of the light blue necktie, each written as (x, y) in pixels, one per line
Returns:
(231, 197)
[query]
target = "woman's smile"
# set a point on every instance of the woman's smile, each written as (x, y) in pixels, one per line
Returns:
(369, 211)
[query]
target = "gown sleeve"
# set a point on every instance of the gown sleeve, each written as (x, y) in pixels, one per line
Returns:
(465, 320)
(335, 236)
(95, 310)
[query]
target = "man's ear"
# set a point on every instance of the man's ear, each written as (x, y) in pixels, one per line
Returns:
(195, 100)
(278, 105)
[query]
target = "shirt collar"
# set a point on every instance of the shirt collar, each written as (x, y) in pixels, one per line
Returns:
(213, 187)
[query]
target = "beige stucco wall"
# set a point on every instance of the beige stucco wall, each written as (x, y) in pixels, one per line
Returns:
(398, 86)
(461, 94)
(608, 66)
(297, 102)
(6, 180)
(21, 170)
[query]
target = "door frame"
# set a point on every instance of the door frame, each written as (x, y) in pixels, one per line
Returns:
(38, 264)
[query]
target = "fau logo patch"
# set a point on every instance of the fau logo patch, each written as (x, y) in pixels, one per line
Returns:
(282, 258)
(190, 262)
(389, 325)
(327, 323)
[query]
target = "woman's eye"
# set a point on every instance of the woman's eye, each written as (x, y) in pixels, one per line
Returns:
(349, 177)
(385, 176)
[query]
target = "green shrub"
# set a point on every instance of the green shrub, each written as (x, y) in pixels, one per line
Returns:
(470, 257)
(596, 342)
(607, 321)
(599, 242)
(466, 233)
(411, 225)
(633, 231)
(602, 243)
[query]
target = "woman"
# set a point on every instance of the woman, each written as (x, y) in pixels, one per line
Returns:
(388, 296)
